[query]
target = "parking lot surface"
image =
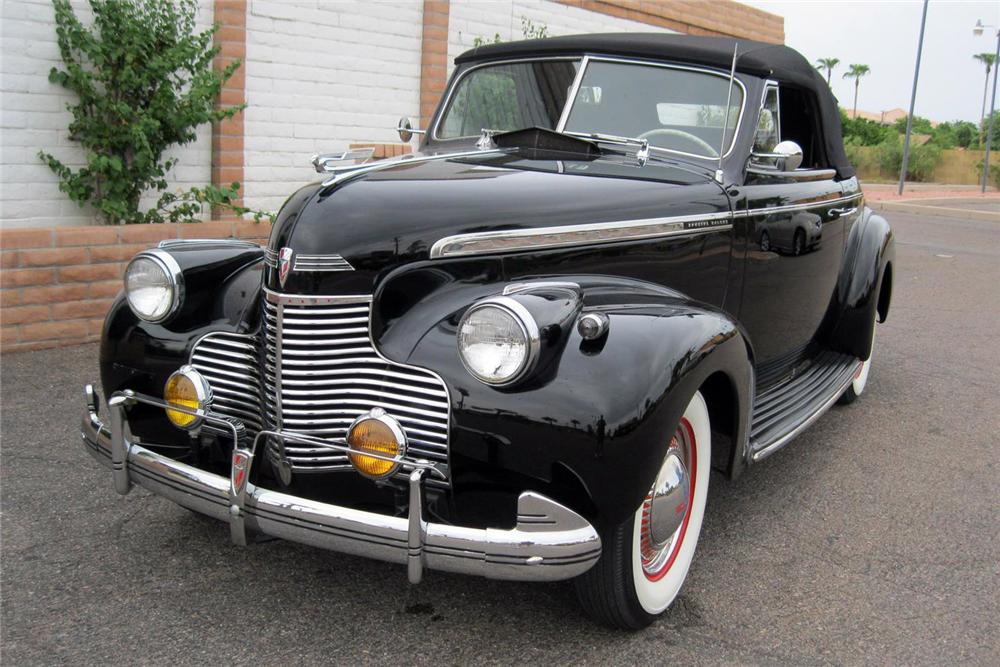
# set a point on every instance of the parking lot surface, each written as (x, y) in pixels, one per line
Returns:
(871, 539)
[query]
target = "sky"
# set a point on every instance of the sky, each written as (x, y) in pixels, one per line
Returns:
(883, 35)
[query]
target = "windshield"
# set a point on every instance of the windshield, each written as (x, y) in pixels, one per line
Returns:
(510, 96)
(675, 109)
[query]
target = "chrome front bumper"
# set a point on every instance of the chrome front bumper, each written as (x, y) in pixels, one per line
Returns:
(550, 542)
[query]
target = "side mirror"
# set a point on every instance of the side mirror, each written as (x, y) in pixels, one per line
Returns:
(791, 155)
(787, 156)
(405, 129)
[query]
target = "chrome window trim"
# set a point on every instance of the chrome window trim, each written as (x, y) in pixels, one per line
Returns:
(172, 270)
(490, 63)
(585, 61)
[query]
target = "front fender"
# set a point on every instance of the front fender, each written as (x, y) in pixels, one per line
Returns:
(870, 250)
(593, 429)
(222, 289)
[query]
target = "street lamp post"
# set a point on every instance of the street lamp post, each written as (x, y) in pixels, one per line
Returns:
(978, 31)
(913, 101)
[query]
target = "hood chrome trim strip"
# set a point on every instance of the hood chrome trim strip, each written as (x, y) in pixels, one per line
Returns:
(543, 238)
(484, 243)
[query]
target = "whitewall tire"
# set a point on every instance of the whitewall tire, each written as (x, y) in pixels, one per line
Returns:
(640, 573)
(857, 386)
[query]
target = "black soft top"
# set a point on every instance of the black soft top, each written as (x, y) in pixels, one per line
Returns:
(771, 61)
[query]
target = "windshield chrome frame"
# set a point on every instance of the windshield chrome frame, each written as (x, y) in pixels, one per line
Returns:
(585, 61)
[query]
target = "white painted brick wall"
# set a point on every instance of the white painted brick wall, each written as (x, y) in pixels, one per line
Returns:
(484, 18)
(33, 117)
(321, 75)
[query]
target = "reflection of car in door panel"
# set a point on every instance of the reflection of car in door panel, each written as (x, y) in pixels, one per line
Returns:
(795, 234)
(512, 353)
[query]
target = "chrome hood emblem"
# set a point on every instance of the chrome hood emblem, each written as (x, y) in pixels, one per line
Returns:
(284, 264)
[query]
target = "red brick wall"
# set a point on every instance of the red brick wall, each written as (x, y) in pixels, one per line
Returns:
(56, 284)
(433, 58)
(227, 136)
(694, 17)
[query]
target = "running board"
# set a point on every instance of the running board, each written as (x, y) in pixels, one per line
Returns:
(783, 411)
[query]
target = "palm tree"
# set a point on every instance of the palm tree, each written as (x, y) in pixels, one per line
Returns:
(856, 72)
(828, 64)
(988, 60)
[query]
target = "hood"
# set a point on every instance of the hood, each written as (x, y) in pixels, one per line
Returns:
(385, 218)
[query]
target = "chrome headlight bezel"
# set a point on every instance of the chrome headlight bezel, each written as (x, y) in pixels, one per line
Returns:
(529, 330)
(203, 394)
(174, 276)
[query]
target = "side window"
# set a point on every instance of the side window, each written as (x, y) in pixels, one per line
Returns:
(769, 126)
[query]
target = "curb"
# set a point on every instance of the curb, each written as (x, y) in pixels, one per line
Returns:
(912, 206)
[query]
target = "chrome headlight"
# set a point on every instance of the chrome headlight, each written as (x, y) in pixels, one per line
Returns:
(498, 341)
(153, 285)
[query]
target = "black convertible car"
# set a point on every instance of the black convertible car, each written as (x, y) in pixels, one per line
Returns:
(519, 352)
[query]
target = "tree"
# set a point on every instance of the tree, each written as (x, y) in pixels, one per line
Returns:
(144, 82)
(856, 72)
(828, 64)
(986, 59)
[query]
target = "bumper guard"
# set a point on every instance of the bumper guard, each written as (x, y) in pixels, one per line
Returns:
(550, 541)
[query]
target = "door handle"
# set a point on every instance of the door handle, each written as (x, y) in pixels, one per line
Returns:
(841, 212)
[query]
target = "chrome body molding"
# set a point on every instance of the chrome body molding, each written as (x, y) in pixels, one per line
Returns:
(347, 173)
(485, 243)
(550, 542)
(798, 207)
(331, 262)
(541, 238)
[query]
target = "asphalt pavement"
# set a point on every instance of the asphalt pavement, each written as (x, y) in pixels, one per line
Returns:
(874, 538)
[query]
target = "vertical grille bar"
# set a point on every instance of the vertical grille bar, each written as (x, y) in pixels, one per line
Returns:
(313, 370)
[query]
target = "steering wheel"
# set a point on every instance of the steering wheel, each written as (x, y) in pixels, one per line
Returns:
(671, 132)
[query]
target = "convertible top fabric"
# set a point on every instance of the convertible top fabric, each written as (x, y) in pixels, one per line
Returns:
(772, 61)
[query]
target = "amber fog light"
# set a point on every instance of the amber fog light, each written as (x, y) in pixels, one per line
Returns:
(376, 433)
(186, 388)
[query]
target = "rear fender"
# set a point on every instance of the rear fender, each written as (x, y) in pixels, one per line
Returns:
(870, 250)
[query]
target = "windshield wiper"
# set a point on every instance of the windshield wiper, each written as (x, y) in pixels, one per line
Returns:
(642, 145)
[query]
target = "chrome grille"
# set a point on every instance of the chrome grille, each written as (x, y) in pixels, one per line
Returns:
(321, 372)
(230, 363)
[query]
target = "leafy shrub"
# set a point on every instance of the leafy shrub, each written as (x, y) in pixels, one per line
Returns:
(144, 82)
(864, 132)
(920, 166)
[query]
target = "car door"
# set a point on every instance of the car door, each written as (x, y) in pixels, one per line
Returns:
(794, 224)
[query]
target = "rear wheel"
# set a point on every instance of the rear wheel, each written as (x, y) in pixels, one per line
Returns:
(646, 558)
(799, 244)
(857, 386)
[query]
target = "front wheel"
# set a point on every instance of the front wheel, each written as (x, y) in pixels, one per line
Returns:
(646, 558)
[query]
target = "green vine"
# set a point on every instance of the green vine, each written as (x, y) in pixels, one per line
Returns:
(144, 81)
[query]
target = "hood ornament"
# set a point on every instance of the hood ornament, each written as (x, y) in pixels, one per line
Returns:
(284, 265)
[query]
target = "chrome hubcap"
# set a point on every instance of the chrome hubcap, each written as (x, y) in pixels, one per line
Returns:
(667, 506)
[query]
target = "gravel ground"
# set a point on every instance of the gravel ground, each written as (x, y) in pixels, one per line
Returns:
(871, 539)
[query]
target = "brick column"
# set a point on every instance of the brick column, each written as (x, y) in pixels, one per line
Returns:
(227, 136)
(433, 58)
